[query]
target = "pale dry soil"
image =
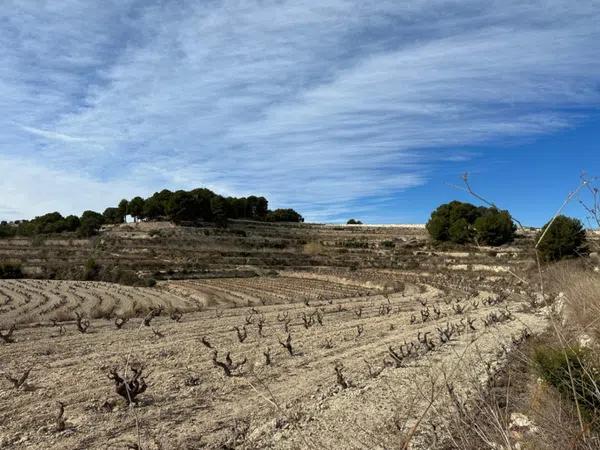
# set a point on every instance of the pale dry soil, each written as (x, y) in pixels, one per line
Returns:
(293, 403)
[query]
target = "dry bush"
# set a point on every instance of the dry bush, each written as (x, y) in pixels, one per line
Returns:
(228, 365)
(313, 248)
(129, 386)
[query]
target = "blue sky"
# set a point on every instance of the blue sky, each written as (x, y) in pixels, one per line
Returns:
(336, 108)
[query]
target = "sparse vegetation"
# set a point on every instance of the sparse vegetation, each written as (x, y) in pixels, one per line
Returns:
(571, 371)
(276, 335)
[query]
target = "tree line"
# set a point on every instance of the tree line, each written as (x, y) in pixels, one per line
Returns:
(181, 207)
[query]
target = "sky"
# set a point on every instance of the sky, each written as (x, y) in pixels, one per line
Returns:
(335, 108)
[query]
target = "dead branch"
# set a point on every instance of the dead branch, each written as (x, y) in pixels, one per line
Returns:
(154, 312)
(260, 324)
(241, 334)
(359, 330)
(157, 333)
(341, 380)
(206, 343)
(17, 382)
(288, 344)
(60, 421)
(358, 312)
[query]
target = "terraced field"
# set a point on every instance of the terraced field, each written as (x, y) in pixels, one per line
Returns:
(32, 301)
(263, 290)
(328, 358)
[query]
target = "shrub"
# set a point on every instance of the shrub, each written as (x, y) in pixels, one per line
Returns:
(354, 222)
(565, 238)
(7, 230)
(388, 244)
(127, 277)
(284, 215)
(91, 269)
(10, 271)
(495, 227)
(570, 371)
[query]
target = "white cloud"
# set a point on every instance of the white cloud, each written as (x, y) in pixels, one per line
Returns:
(30, 189)
(317, 105)
(53, 135)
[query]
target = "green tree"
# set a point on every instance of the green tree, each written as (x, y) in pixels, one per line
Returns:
(155, 207)
(91, 222)
(261, 208)
(112, 215)
(495, 227)
(218, 208)
(204, 196)
(135, 208)
(48, 223)
(72, 223)
(183, 206)
(562, 238)
(123, 204)
(446, 215)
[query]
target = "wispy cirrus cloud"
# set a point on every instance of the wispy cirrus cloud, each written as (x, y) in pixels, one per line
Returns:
(52, 135)
(318, 105)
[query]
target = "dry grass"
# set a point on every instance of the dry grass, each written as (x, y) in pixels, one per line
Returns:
(556, 420)
(313, 248)
(580, 286)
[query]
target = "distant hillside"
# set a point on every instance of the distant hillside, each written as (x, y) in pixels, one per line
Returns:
(137, 253)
